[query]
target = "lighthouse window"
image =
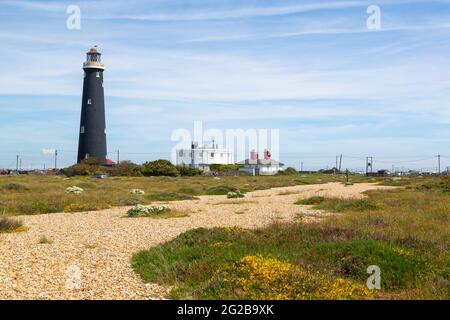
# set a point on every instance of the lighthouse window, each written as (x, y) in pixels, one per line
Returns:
(212, 155)
(97, 74)
(82, 129)
(89, 101)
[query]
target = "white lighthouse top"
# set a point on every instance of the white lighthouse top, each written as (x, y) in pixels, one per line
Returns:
(93, 59)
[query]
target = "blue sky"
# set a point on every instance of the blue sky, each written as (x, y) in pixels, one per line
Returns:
(311, 69)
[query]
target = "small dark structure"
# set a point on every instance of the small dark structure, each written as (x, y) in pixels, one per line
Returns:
(92, 141)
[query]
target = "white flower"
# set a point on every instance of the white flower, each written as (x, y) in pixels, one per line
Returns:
(142, 211)
(74, 190)
(137, 191)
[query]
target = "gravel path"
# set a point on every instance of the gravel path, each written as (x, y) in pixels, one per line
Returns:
(89, 253)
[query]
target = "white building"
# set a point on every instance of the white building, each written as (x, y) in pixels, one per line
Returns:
(203, 156)
(256, 166)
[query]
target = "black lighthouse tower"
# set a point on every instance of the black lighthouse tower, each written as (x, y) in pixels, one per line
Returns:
(92, 142)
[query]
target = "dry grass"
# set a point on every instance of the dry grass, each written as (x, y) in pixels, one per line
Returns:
(45, 194)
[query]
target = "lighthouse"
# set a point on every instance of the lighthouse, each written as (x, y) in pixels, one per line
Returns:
(92, 141)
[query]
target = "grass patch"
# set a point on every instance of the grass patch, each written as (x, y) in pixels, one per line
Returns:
(220, 190)
(44, 240)
(343, 205)
(310, 201)
(170, 196)
(14, 187)
(10, 225)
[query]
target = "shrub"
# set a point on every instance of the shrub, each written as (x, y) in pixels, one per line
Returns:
(145, 211)
(159, 168)
(237, 194)
(188, 171)
(260, 278)
(224, 168)
(287, 171)
(311, 200)
(126, 169)
(74, 190)
(9, 224)
(86, 167)
(219, 190)
(137, 191)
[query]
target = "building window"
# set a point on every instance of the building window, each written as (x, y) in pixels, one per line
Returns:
(97, 74)
(89, 101)
(86, 156)
(181, 153)
(212, 155)
(82, 129)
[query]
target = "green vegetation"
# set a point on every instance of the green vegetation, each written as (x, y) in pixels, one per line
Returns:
(406, 232)
(310, 201)
(44, 240)
(9, 225)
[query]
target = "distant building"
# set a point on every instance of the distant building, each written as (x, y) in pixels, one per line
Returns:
(201, 157)
(256, 166)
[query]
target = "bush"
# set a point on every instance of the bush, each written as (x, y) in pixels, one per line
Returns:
(86, 167)
(187, 171)
(9, 224)
(261, 278)
(287, 171)
(224, 168)
(159, 168)
(126, 169)
(219, 190)
(145, 211)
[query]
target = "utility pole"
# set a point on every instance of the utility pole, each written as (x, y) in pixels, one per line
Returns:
(56, 159)
(439, 164)
(118, 157)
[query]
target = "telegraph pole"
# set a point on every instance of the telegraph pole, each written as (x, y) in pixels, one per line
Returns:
(439, 164)
(56, 159)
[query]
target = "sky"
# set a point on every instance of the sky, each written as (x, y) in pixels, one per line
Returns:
(311, 69)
